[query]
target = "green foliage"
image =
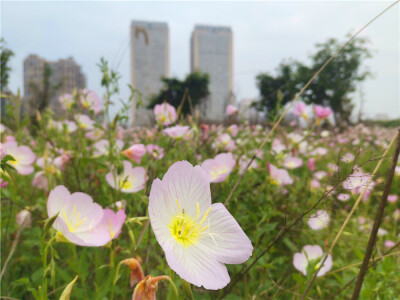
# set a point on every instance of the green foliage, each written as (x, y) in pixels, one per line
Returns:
(5, 55)
(332, 87)
(195, 84)
(43, 264)
(276, 91)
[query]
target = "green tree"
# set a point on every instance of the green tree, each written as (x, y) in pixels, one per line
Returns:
(332, 87)
(339, 79)
(276, 91)
(195, 83)
(5, 69)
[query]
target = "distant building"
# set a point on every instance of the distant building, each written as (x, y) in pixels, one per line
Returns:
(149, 63)
(66, 75)
(212, 53)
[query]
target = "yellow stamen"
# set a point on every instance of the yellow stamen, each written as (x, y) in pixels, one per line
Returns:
(177, 202)
(205, 216)
(198, 211)
(109, 228)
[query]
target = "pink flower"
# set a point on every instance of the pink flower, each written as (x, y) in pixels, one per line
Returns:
(40, 181)
(231, 110)
(319, 220)
(155, 151)
(357, 181)
(3, 184)
(389, 244)
(308, 254)
(224, 141)
(320, 175)
(176, 131)
(292, 163)
(392, 198)
(219, 168)
(321, 113)
(82, 221)
(84, 121)
(9, 138)
(102, 147)
(278, 176)
(91, 101)
(343, 197)
(66, 101)
(23, 155)
(131, 180)
(198, 237)
(315, 184)
(233, 130)
(311, 164)
(301, 110)
(135, 152)
(165, 114)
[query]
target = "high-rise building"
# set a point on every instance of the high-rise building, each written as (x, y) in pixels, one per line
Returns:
(65, 76)
(149, 63)
(212, 53)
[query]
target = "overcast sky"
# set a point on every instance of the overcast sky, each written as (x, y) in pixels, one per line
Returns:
(265, 33)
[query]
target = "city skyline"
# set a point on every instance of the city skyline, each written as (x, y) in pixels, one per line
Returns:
(65, 76)
(259, 45)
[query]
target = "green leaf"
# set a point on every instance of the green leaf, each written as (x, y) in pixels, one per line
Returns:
(187, 289)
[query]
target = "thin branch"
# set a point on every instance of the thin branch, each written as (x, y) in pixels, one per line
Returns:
(377, 222)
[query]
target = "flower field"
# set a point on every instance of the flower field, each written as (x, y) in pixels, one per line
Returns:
(93, 209)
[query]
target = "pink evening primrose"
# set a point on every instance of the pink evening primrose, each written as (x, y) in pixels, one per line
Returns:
(176, 131)
(231, 110)
(131, 180)
(309, 253)
(102, 147)
(392, 198)
(343, 197)
(84, 122)
(165, 114)
(91, 101)
(219, 168)
(198, 237)
(40, 181)
(279, 176)
(292, 163)
(66, 100)
(155, 151)
(135, 152)
(321, 113)
(357, 181)
(23, 155)
(301, 110)
(319, 220)
(82, 221)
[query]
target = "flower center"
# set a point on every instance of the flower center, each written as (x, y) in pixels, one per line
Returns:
(125, 184)
(216, 172)
(185, 229)
(74, 222)
(14, 162)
